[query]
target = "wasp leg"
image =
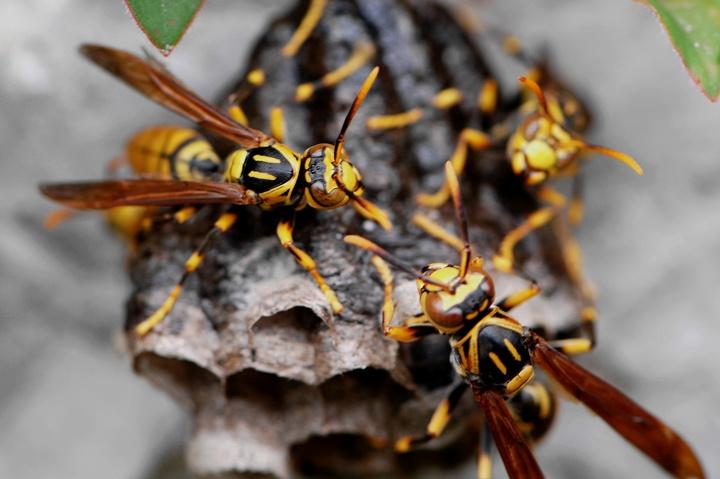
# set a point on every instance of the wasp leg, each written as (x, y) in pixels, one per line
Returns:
(516, 299)
(505, 257)
(414, 327)
(469, 138)
(484, 466)
(586, 341)
(222, 224)
(432, 228)
(360, 56)
(307, 25)
(438, 422)
(284, 234)
(277, 124)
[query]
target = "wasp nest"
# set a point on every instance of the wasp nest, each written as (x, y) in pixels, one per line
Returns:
(275, 383)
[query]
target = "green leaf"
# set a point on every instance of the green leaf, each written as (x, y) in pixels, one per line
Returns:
(694, 28)
(164, 22)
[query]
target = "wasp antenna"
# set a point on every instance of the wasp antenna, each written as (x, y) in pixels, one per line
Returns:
(460, 217)
(626, 159)
(362, 93)
(532, 84)
(367, 245)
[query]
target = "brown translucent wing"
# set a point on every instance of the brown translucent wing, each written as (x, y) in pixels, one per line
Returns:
(99, 195)
(631, 421)
(155, 82)
(516, 455)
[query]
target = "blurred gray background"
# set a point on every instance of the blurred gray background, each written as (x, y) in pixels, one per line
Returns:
(70, 406)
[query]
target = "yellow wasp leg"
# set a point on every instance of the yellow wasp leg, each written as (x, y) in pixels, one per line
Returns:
(223, 224)
(505, 257)
(516, 299)
(307, 25)
(363, 52)
(397, 120)
(586, 342)
(469, 138)
(184, 214)
(488, 97)
(443, 100)
(284, 234)
(277, 124)
(433, 229)
(484, 466)
(438, 422)
(237, 114)
(413, 328)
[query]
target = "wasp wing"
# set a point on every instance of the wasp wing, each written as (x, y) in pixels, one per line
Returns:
(631, 421)
(152, 80)
(516, 455)
(98, 195)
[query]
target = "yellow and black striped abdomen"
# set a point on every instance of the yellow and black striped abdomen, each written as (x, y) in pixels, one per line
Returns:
(174, 152)
(270, 171)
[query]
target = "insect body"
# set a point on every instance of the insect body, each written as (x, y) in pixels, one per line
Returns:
(496, 357)
(321, 177)
(168, 151)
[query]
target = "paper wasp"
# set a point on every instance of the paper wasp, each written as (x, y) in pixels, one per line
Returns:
(260, 171)
(495, 356)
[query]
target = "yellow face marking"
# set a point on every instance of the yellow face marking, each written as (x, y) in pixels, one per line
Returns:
(267, 159)
(512, 349)
(261, 175)
(540, 155)
(498, 362)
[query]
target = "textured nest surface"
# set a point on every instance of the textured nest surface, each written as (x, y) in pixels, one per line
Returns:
(274, 382)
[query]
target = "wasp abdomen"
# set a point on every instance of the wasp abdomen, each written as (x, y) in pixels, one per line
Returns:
(172, 151)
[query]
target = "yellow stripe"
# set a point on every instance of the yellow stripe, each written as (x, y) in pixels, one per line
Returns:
(512, 349)
(262, 175)
(495, 359)
(267, 159)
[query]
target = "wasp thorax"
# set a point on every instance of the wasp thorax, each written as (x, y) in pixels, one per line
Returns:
(450, 310)
(329, 185)
(503, 360)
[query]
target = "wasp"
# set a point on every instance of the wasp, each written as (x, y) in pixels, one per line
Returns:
(261, 171)
(496, 357)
